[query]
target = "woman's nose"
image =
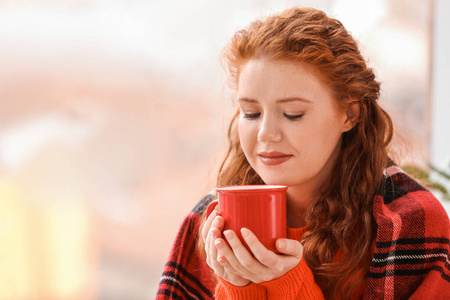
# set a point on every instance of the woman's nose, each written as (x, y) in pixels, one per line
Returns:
(269, 130)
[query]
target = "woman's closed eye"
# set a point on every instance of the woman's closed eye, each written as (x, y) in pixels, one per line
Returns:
(292, 117)
(251, 116)
(256, 115)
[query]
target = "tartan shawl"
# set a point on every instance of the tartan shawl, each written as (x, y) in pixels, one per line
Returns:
(410, 260)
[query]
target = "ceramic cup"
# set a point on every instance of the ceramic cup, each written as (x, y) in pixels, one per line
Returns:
(260, 208)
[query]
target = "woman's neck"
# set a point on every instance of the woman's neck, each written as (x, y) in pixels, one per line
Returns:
(300, 197)
(298, 202)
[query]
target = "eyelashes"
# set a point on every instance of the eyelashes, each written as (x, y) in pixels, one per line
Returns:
(293, 117)
(253, 116)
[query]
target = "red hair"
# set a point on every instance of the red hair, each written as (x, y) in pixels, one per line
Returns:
(340, 219)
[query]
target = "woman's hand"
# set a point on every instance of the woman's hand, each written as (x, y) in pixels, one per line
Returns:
(236, 265)
(264, 265)
(211, 232)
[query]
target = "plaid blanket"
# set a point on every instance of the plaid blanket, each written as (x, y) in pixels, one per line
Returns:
(410, 261)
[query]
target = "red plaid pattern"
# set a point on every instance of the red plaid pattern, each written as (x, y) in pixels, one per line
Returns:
(410, 261)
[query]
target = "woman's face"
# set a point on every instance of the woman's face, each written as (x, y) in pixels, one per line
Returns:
(290, 126)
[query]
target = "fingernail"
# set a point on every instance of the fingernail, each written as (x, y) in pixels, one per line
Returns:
(221, 259)
(282, 245)
(218, 244)
(245, 232)
(216, 222)
(228, 235)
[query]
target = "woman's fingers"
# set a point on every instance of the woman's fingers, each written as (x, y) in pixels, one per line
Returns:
(213, 253)
(206, 235)
(262, 254)
(207, 225)
(231, 260)
(227, 256)
(239, 257)
(275, 264)
(290, 247)
(208, 247)
(213, 221)
(211, 233)
(215, 224)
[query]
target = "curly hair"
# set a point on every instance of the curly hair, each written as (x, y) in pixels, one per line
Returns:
(341, 219)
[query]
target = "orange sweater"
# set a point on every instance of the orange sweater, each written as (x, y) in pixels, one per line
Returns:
(296, 284)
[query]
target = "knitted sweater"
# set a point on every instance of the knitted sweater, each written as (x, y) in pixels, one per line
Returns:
(410, 260)
(296, 284)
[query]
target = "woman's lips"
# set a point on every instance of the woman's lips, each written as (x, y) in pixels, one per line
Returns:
(273, 158)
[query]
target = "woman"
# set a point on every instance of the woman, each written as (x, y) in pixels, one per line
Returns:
(308, 118)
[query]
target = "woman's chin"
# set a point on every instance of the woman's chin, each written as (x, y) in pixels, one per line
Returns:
(274, 181)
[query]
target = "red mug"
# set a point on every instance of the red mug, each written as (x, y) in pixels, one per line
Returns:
(260, 208)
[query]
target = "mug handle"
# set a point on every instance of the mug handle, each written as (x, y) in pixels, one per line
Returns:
(211, 207)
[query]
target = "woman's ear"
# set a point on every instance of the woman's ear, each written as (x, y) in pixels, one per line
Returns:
(352, 114)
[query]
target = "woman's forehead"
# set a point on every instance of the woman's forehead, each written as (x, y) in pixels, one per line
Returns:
(286, 79)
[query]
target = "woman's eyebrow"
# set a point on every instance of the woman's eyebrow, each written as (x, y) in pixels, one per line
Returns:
(293, 99)
(283, 100)
(243, 99)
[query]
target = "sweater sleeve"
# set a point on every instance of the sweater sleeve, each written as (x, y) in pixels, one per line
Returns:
(296, 284)
(226, 290)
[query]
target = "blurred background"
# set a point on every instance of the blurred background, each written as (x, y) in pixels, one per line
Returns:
(113, 123)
